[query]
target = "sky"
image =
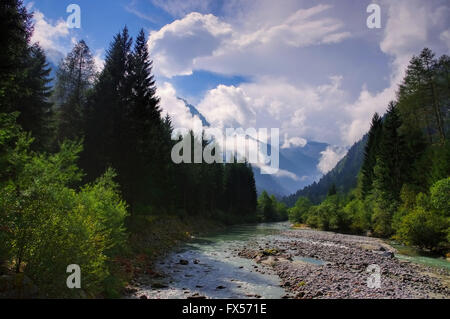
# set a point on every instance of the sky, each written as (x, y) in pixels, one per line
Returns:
(313, 69)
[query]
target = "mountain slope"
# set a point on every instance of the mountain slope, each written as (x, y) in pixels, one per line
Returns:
(195, 112)
(343, 175)
(298, 164)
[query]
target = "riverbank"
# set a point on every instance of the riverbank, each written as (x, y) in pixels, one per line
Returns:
(318, 264)
(153, 238)
(276, 261)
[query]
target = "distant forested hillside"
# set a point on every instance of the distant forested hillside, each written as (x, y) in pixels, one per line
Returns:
(343, 175)
(403, 186)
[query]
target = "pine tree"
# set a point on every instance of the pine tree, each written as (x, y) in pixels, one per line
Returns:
(429, 64)
(75, 77)
(106, 124)
(15, 29)
(370, 153)
(392, 158)
(24, 73)
(33, 103)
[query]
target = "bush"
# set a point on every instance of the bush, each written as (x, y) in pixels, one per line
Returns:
(46, 225)
(440, 196)
(359, 216)
(298, 213)
(423, 228)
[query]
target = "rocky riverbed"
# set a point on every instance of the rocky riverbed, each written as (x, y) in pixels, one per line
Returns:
(317, 264)
(275, 261)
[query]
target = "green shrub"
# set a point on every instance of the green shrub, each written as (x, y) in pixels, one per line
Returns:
(46, 225)
(440, 196)
(298, 213)
(423, 228)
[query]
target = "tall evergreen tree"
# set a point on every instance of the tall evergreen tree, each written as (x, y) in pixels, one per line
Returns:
(75, 78)
(392, 158)
(106, 125)
(15, 30)
(429, 65)
(24, 73)
(33, 103)
(370, 153)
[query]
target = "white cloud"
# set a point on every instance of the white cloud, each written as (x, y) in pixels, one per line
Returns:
(299, 111)
(293, 142)
(299, 29)
(48, 35)
(204, 41)
(330, 157)
(228, 106)
(411, 26)
(178, 111)
(98, 60)
(264, 41)
(176, 46)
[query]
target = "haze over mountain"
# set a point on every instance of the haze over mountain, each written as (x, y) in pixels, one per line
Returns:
(344, 175)
(299, 164)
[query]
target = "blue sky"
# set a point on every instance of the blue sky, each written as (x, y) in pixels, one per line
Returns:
(311, 68)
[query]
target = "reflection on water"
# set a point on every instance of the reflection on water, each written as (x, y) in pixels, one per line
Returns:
(414, 255)
(214, 270)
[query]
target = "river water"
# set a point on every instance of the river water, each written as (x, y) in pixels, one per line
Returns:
(214, 269)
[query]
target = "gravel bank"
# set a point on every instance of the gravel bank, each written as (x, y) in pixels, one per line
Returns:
(317, 264)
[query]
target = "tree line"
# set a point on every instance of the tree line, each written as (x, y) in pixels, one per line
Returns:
(85, 159)
(403, 186)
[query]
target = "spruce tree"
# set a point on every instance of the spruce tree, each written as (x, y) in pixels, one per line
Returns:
(392, 159)
(75, 77)
(106, 124)
(34, 102)
(24, 73)
(15, 29)
(370, 153)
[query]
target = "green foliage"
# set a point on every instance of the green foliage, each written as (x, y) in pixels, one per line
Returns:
(46, 225)
(270, 209)
(370, 152)
(404, 185)
(299, 212)
(440, 197)
(359, 214)
(74, 80)
(424, 226)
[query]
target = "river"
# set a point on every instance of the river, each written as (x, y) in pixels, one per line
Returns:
(211, 266)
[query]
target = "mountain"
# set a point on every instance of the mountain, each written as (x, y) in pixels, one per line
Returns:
(194, 112)
(343, 175)
(298, 165)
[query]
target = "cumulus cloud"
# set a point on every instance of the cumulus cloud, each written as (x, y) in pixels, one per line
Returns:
(250, 40)
(293, 142)
(176, 46)
(223, 46)
(298, 111)
(177, 110)
(48, 35)
(411, 26)
(228, 106)
(330, 157)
